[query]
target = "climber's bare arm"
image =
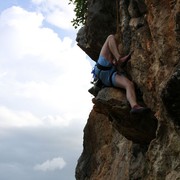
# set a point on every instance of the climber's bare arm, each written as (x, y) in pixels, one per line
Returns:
(110, 49)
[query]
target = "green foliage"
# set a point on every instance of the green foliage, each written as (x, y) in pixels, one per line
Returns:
(80, 12)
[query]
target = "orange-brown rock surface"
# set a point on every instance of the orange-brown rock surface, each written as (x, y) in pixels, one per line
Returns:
(118, 145)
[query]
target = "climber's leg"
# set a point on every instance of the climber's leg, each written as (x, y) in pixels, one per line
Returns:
(123, 82)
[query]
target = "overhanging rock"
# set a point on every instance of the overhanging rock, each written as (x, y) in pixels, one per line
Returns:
(139, 128)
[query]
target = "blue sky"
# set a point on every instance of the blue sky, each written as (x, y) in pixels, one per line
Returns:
(44, 102)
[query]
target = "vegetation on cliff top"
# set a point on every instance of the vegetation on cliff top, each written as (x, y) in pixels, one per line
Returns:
(80, 12)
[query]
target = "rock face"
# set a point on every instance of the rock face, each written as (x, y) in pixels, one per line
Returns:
(101, 22)
(117, 145)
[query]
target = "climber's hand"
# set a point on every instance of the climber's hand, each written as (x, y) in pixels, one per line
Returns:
(123, 60)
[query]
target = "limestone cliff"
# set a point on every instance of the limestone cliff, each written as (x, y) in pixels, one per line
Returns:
(117, 145)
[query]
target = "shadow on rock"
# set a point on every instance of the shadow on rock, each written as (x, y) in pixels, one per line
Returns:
(139, 128)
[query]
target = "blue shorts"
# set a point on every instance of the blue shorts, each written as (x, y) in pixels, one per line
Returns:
(106, 76)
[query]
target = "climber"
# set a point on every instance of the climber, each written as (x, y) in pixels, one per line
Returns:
(105, 70)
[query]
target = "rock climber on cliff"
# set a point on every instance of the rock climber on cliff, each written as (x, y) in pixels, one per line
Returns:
(105, 70)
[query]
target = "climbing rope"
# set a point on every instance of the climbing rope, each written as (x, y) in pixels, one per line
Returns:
(117, 17)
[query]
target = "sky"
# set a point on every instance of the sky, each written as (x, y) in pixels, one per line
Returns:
(44, 99)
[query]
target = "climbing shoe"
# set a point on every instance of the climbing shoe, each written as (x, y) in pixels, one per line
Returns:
(94, 90)
(97, 86)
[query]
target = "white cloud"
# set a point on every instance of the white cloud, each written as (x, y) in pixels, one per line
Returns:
(13, 18)
(12, 118)
(56, 121)
(51, 165)
(21, 119)
(59, 19)
(57, 12)
(40, 68)
(23, 34)
(37, 1)
(44, 102)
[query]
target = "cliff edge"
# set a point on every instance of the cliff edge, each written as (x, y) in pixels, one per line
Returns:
(118, 145)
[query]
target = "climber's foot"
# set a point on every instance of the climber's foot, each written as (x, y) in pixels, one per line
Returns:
(139, 109)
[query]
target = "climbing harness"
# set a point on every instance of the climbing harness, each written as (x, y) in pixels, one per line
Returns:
(97, 84)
